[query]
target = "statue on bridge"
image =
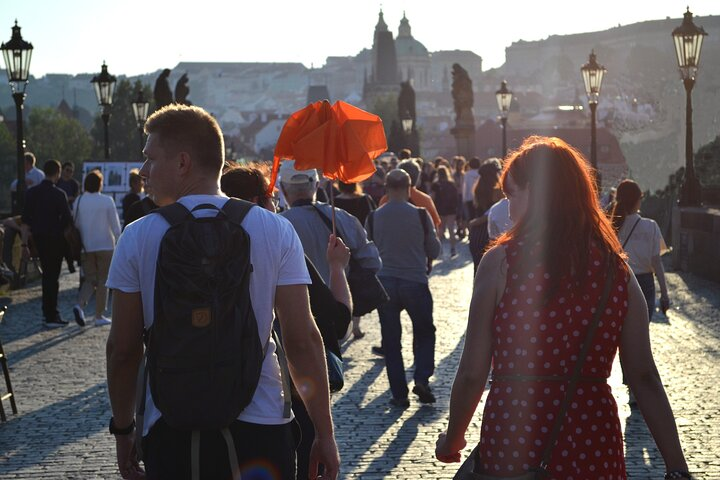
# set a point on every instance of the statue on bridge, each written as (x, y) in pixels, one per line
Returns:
(162, 93)
(463, 97)
(182, 90)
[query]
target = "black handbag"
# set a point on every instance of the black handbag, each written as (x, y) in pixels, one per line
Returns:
(366, 290)
(336, 375)
(468, 470)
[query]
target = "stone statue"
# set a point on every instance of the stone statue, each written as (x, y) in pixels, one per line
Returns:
(406, 101)
(182, 90)
(462, 94)
(162, 93)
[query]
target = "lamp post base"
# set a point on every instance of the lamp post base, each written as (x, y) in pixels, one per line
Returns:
(690, 192)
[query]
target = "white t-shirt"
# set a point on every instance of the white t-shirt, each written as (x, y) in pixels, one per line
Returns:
(499, 219)
(471, 177)
(645, 242)
(277, 258)
(96, 217)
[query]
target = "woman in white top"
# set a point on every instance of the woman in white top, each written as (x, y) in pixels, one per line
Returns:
(96, 217)
(642, 241)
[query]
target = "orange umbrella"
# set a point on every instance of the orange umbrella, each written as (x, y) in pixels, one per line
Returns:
(340, 140)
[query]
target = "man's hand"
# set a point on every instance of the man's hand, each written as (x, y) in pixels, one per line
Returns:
(337, 252)
(127, 457)
(324, 452)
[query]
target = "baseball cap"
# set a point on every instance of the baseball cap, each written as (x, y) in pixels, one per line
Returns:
(290, 176)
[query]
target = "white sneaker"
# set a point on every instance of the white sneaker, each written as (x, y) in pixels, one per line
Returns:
(102, 320)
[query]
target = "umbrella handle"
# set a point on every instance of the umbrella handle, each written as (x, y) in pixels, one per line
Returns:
(332, 206)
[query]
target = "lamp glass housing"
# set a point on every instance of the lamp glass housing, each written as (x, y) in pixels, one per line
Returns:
(104, 85)
(688, 39)
(17, 54)
(504, 98)
(593, 74)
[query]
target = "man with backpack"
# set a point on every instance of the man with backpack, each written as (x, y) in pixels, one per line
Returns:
(197, 281)
(405, 236)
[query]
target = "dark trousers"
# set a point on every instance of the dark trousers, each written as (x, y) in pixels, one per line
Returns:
(415, 298)
(647, 285)
(51, 250)
(264, 452)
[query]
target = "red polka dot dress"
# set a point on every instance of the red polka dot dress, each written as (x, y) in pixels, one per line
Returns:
(537, 338)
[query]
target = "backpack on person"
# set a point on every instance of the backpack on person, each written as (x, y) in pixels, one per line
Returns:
(204, 354)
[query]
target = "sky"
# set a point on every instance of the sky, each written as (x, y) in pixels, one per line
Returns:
(136, 37)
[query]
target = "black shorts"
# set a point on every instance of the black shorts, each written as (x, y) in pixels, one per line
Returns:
(264, 451)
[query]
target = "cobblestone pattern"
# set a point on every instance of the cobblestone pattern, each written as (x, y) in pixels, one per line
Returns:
(59, 380)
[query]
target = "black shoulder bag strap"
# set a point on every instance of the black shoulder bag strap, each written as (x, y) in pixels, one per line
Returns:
(631, 232)
(370, 218)
(572, 384)
(327, 221)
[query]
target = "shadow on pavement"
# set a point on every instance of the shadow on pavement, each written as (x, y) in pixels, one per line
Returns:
(642, 458)
(64, 335)
(28, 439)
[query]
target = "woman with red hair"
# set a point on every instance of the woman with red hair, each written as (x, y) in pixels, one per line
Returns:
(553, 301)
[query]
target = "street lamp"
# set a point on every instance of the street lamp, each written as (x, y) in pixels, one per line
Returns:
(407, 122)
(140, 111)
(593, 74)
(688, 41)
(17, 53)
(104, 84)
(504, 98)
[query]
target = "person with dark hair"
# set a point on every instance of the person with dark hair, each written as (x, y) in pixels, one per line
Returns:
(184, 159)
(406, 238)
(359, 205)
(330, 303)
(46, 214)
(67, 183)
(459, 179)
(553, 300)
(642, 241)
(445, 196)
(134, 195)
(485, 193)
(405, 154)
(95, 215)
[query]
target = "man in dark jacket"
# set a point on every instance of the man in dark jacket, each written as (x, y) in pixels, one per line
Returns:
(46, 215)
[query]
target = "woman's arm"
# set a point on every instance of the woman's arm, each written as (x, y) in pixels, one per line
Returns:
(660, 274)
(474, 366)
(338, 256)
(644, 380)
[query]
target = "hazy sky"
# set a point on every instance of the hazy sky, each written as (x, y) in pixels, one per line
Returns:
(133, 36)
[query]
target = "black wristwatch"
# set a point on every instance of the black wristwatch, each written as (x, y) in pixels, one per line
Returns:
(114, 430)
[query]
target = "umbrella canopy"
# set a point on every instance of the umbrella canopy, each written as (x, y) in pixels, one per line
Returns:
(340, 140)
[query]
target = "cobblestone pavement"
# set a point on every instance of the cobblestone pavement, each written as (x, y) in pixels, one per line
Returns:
(59, 380)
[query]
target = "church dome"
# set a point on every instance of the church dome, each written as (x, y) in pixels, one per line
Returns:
(405, 44)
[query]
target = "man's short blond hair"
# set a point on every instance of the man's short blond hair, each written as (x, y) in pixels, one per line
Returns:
(190, 129)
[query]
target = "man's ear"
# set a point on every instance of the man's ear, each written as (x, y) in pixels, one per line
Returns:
(184, 163)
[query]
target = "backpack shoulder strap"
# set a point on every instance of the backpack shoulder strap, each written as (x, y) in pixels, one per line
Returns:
(370, 217)
(236, 210)
(174, 213)
(423, 219)
(327, 221)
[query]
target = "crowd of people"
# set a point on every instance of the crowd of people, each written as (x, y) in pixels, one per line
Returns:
(560, 287)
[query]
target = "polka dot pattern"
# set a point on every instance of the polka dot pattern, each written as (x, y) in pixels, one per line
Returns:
(535, 336)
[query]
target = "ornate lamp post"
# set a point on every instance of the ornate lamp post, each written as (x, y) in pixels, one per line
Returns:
(17, 54)
(593, 74)
(104, 84)
(140, 111)
(504, 98)
(688, 41)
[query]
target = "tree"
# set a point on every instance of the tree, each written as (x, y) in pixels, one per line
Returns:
(123, 130)
(53, 136)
